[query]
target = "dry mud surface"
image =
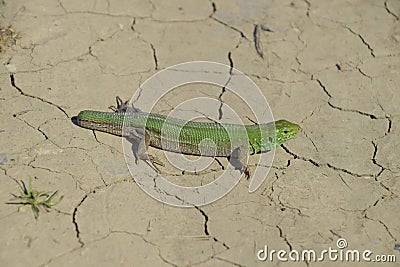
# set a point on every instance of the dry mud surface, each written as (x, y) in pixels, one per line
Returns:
(331, 66)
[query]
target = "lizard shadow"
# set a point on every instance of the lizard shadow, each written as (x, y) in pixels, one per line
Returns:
(74, 120)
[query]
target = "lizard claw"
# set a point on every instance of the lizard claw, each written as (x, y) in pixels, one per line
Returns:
(122, 106)
(155, 160)
(151, 158)
(246, 172)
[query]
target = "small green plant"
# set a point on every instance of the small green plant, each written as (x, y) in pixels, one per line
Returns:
(35, 198)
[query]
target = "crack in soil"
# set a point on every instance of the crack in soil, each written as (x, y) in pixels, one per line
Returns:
(281, 235)
(382, 223)
(228, 261)
(374, 161)
(364, 74)
(214, 8)
(389, 11)
(164, 259)
(31, 126)
(229, 26)
(67, 12)
(308, 8)
(389, 125)
(329, 165)
(282, 206)
(205, 220)
(75, 222)
(219, 163)
(371, 50)
(220, 112)
(206, 232)
(154, 56)
(371, 116)
(13, 84)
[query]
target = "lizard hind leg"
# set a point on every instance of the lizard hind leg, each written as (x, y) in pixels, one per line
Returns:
(123, 106)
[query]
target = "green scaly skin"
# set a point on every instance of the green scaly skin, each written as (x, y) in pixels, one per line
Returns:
(186, 137)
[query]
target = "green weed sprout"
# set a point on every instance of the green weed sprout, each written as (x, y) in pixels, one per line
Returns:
(35, 198)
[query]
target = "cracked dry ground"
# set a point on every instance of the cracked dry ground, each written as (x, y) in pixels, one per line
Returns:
(331, 66)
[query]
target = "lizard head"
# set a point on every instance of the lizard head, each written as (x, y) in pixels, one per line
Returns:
(285, 130)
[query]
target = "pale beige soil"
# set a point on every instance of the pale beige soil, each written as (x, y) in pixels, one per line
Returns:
(331, 66)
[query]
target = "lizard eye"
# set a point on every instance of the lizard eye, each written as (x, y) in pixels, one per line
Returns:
(285, 131)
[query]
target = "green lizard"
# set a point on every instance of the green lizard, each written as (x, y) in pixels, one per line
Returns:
(176, 135)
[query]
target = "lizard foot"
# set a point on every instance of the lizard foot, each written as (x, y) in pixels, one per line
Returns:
(152, 159)
(123, 106)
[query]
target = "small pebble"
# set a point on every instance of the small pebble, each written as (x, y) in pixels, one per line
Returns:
(3, 158)
(267, 28)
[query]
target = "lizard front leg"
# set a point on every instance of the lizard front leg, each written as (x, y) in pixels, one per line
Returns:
(238, 159)
(140, 140)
